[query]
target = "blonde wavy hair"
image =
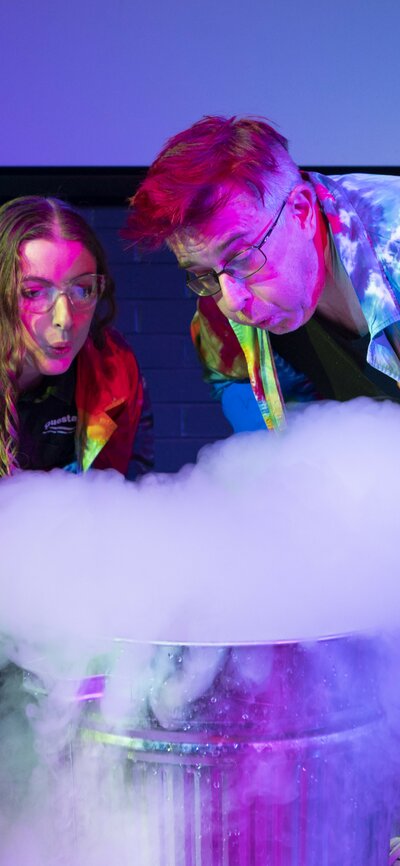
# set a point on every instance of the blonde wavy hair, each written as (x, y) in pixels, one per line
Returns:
(22, 219)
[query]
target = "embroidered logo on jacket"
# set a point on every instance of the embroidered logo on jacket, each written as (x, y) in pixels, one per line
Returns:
(64, 425)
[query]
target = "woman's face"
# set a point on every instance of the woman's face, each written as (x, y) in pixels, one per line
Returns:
(53, 338)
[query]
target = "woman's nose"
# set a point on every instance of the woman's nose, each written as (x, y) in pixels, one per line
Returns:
(62, 312)
(234, 292)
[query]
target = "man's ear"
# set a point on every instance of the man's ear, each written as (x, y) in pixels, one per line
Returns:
(303, 206)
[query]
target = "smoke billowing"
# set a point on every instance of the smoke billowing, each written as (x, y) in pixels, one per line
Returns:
(266, 539)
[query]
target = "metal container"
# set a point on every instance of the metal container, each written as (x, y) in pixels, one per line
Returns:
(248, 755)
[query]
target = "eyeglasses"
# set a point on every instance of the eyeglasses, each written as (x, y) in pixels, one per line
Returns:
(242, 265)
(83, 292)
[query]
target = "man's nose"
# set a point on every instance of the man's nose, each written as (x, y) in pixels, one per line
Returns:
(234, 292)
(62, 312)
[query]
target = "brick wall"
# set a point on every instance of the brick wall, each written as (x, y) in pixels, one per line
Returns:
(154, 313)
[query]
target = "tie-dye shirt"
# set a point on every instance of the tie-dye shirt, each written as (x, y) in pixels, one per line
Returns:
(363, 216)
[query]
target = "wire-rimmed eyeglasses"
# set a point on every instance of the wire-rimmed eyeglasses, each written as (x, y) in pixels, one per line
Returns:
(242, 265)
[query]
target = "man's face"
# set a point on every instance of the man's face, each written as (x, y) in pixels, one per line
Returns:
(284, 293)
(53, 338)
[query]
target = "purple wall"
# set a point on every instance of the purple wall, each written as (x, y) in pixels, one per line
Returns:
(105, 82)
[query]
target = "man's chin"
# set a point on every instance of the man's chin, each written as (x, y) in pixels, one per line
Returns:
(282, 325)
(285, 324)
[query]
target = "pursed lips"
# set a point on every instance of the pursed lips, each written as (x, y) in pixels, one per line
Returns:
(59, 348)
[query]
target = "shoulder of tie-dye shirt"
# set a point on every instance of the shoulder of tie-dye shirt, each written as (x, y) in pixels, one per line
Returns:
(217, 346)
(374, 199)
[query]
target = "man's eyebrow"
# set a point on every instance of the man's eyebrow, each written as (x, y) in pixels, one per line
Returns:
(219, 249)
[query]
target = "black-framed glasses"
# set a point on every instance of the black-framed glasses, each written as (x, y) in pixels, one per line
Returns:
(242, 265)
(83, 292)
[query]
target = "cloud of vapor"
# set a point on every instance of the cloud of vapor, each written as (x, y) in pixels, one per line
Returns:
(269, 540)
(266, 538)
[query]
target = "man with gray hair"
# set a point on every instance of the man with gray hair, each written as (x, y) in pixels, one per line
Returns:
(297, 273)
